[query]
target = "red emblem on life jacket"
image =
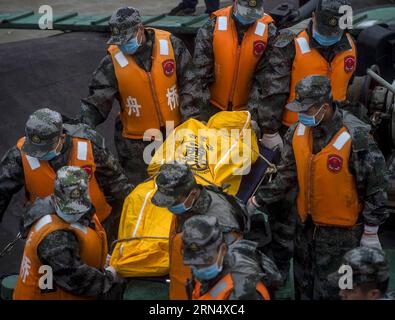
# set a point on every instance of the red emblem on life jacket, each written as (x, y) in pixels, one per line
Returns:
(335, 163)
(88, 170)
(349, 64)
(168, 67)
(259, 48)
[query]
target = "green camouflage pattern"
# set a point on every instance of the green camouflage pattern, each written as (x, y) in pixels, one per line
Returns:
(71, 193)
(172, 181)
(124, 24)
(42, 132)
(310, 91)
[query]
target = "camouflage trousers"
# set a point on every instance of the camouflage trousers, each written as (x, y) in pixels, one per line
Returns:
(282, 222)
(130, 154)
(111, 224)
(319, 252)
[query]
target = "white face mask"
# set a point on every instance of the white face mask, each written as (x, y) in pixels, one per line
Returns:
(69, 218)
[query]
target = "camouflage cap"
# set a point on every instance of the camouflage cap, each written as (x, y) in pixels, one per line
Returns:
(71, 194)
(124, 24)
(42, 132)
(250, 8)
(367, 264)
(172, 181)
(328, 16)
(201, 238)
(310, 91)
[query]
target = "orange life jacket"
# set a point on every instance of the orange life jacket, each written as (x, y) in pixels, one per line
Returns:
(93, 252)
(235, 64)
(40, 177)
(327, 189)
(223, 289)
(180, 273)
(308, 61)
(148, 99)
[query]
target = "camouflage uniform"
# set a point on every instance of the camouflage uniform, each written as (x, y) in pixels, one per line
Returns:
(109, 174)
(318, 249)
(103, 90)
(273, 75)
(205, 62)
(368, 265)
(60, 249)
(176, 179)
(247, 266)
(267, 100)
(391, 171)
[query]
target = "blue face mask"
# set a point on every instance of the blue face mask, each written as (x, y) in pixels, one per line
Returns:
(207, 273)
(326, 41)
(309, 121)
(49, 156)
(130, 47)
(243, 20)
(181, 208)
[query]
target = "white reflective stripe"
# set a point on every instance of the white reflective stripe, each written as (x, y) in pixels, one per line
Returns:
(303, 45)
(235, 143)
(42, 222)
(34, 163)
(79, 227)
(301, 129)
(141, 213)
(260, 29)
(350, 42)
(82, 150)
(222, 23)
(121, 59)
(341, 140)
(163, 47)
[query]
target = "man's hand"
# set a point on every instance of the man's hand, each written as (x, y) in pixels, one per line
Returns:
(252, 204)
(272, 140)
(108, 258)
(370, 238)
(114, 273)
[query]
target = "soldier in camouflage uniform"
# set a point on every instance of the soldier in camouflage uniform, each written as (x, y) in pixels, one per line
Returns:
(184, 197)
(221, 271)
(205, 62)
(49, 144)
(104, 88)
(319, 248)
(179, 192)
(55, 240)
(274, 74)
(270, 94)
(370, 275)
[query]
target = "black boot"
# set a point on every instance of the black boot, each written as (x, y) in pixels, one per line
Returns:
(182, 10)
